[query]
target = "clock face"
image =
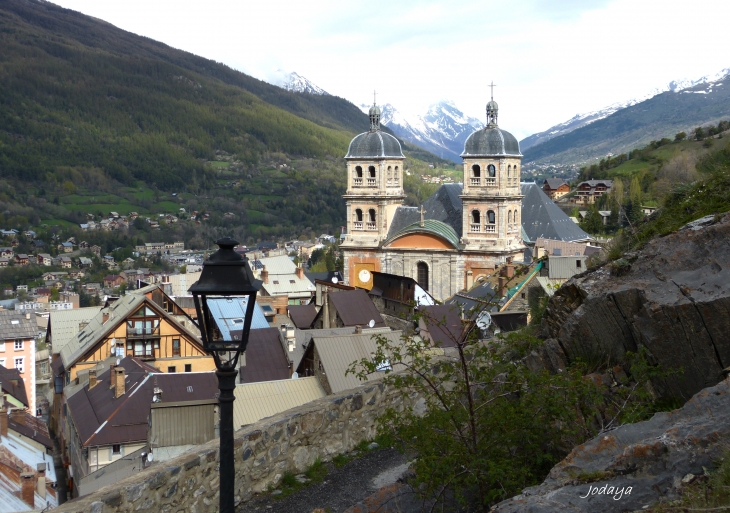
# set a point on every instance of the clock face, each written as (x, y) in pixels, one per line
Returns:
(364, 276)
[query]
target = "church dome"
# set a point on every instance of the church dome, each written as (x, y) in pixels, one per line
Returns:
(374, 144)
(491, 141)
(375, 110)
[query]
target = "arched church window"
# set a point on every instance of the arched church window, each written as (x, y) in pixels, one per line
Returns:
(358, 215)
(492, 171)
(371, 213)
(491, 218)
(422, 275)
(396, 169)
(358, 172)
(371, 171)
(515, 169)
(509, 171)
(509, 217)
(476, 171)
(476, 217)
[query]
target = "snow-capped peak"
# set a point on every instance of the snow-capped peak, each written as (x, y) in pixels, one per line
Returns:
(295, 82)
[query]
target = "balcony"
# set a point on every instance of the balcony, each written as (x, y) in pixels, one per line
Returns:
(357, 182)
(475, 182)
(475, 228)
(370, 225)
(142, 332)
(371, 182)
(490, 228)
(490, 182)
(358, 225)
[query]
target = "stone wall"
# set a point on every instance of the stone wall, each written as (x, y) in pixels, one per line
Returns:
(288, 442)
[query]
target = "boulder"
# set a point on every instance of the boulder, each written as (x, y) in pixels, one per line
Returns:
(635, 465)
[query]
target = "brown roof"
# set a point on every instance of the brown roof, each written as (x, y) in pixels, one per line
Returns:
(101, 419)
(265, 357)
(443, 324)
(302, 315)
(31, 427)
(355, 308)
(13, 384)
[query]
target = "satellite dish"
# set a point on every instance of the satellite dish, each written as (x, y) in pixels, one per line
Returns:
(294, 375)
(371, 324)
(484, 320)
(334, 279)
(150, 457)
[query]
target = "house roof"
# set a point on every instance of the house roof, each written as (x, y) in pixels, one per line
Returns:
(64, 324)
(27, 457)
(337, 353)
(102, 419)
(229, 314)
(118, 311)
(398, 288)
(541, 217)
(265, 357)
(303, 337)
(13, 384)
(302, 315)
(256, 401)
(554, 183)
(432, 226)
(355, 308)
(31, 427)
(443, 323)
(594, 183)
(326, 276)
(282, 277)
(444, 205)
(15, 325)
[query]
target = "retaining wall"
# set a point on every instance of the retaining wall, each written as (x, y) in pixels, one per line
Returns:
(288, 442)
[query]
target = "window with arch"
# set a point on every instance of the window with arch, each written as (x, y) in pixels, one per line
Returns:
(476, 171)
(491, 218)
(422, 275)
(509, 217)
(371, 172)
(358, 215)
(476, 217)
(371, 215)
(396, 176)
(492, 171)
(509, 171)
(358, 171)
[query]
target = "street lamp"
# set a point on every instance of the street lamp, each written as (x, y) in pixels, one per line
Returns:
(225, 283)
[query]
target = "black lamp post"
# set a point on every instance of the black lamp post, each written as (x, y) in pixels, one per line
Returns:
(227, 278)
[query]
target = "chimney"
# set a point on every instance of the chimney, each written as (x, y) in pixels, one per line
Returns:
(502, 286)
(469, 279)
(3, 419)
(358, 330)
(300, 272)
(92, 378)
(111, 375)
(27, 315)
(265, 275)
(510, 270)
(104, 317)
(41, 483)
(118, 381)
(27, 488)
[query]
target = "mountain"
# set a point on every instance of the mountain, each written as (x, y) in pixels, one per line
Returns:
(296, 83)
(682, 107)
(581, 120)
(441, 131)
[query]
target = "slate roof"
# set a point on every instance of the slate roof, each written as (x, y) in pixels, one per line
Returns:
(64, 324)
(355, 308)
(374, 144)
(101, 419)
(15, 325)
(444, 205)
(31, 427)
(443, 323)
(302, 315)
(265, 357)
(256, 401)
(554, 183)
(13, 384)
(491, 141)
(541, 217)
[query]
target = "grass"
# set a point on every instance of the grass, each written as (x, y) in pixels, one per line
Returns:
(166, 206)
(57, 222)
(215, 164)
(289, 483)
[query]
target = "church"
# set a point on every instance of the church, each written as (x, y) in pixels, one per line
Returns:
(460, 233)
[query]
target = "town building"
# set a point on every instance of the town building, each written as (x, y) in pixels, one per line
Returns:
(18, 331)
(281, 277)
(589, 191)
(555, 188)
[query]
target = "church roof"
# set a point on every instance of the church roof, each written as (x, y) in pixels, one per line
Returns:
(543, 218)
(438, 228)
(444, 205)
(491, 141)
(374, 144)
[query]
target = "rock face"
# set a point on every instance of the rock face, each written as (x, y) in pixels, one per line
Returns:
(673, 300)
(637, 464)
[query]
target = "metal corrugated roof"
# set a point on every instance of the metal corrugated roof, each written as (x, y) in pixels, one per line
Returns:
(64, 324)
(337, 353)
(256, 401)
(281, 264)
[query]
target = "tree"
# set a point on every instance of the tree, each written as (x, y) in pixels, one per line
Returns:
(681, 136)
(592, 222)
(483, 425)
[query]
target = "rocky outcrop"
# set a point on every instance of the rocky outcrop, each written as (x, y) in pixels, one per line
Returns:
(672, 298)
(635, 465)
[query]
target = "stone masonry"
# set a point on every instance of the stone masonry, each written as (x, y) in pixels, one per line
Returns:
(288, 442)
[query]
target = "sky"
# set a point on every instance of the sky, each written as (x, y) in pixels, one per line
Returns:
(550, 60)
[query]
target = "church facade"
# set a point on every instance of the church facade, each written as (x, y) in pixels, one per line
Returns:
(460, 233)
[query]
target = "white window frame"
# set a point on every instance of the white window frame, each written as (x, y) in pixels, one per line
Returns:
(18, 345)
(21, 369)
(2, 346)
